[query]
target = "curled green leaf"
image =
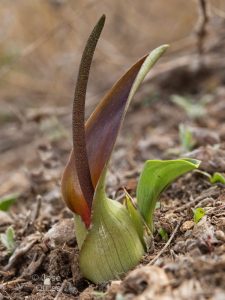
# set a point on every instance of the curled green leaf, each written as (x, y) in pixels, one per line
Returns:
(155, 178)
(217, 178)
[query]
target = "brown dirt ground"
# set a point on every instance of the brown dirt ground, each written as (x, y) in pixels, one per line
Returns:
(192, 266)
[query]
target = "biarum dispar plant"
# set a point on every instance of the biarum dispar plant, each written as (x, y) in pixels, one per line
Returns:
(112, 237)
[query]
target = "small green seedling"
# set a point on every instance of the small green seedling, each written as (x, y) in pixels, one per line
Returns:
(112, 237)
(199, 213)
(7, 201)
(186, 138)
(8, 239)
(216, 177)
(193, 109)
(164, 235)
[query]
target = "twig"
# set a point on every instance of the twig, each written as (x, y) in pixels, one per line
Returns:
(7, 273)
(33, 214)
(203, 20)
(33, 266)
(12, 282)
(212, 210)
(166, 245)
(18, 253)
(208, 193)
(60, 290)
(36, 211)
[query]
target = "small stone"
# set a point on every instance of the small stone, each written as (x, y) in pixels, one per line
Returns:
(112, 289)
(61, 233)
(187, 225)
(204, 231)
(220, 235)
(179, 247)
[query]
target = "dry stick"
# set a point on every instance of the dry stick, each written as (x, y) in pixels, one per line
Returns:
(209, 193)
(33, 266)
(18, 253)
(36, 211)
(60, 290)
(12, 282)
(202, 22)
(215, 209)
(166, 245)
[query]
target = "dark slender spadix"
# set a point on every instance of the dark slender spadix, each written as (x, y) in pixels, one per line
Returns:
(79, 139)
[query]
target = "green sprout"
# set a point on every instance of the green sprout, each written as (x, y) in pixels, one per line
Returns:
(216, 177)
(112, 237)
(164, 235)
(8, 239)
(199, 213)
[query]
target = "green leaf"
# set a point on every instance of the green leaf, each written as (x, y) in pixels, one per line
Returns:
(135, 216)
(7, 239)
(199, 213)
(7, 201)
(217, 177)
(164, 235)
(155, 178)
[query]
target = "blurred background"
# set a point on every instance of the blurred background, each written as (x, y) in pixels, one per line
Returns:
(41, 42)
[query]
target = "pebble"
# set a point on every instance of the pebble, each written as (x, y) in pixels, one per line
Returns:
(61, 233)
(187, 225)
(220, 235)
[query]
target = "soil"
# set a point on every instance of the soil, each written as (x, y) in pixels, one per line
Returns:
(191, 264)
